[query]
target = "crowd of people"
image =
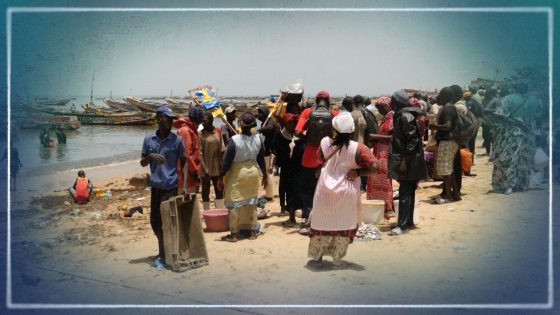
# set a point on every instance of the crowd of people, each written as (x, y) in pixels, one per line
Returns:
(328, 155)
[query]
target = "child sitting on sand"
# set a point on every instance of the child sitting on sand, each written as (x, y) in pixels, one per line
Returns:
(82, 188)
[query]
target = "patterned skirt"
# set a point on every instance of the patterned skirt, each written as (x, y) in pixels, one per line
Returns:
(512, 153)
(330, 243)
(333, 246)
(445, 155)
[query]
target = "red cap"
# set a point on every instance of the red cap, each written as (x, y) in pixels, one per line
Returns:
(323, 94)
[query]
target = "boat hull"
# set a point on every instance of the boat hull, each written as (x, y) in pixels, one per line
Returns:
(142, 105)
(119, 105)
(129, 118)
(118, 120)
(60, 102)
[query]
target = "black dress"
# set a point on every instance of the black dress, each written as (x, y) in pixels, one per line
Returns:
(290, 167)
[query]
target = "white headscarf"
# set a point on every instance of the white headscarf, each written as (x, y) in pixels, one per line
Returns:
(343, 123)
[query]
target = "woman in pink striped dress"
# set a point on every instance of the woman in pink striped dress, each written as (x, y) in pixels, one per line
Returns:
(336, 204)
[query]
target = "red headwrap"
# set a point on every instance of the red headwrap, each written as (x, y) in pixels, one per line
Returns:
(384, 102)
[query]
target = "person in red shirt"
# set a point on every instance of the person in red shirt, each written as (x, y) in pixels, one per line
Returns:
(306, 129)
(81, 190)
(187, 129)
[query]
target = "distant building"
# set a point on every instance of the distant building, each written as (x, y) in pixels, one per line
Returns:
(429, 93)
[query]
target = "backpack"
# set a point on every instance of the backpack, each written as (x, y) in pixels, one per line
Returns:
(319, 125)
(466, 126)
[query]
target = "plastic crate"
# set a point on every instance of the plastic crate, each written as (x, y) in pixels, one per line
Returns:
(183, 238)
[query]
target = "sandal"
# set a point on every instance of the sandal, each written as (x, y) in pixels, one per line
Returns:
(440, 201)
(434, 197)
(229, 238)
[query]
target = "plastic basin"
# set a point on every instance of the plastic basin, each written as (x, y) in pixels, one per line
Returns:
(216, 220)
(372, 211)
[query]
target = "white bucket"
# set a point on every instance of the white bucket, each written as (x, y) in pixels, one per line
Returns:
(415, 217)
(372, 211)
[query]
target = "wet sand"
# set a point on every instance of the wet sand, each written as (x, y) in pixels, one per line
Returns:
(488, 248)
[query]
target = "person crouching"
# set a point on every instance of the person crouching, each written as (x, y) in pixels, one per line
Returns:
(81, 190)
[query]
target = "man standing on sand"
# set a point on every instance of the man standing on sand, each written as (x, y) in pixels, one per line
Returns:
(187, 130)
(313, 125)
(162, 150)
(267, 133)
(231, 116)
(212, 149)
(406, 159)
(362, 128)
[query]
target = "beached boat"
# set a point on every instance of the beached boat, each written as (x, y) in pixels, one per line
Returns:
(100, 118)
(116, 104)
(178, 106)
(55, 102)
(142, 104)
(118, 119)
(92, 108)
(174, 101)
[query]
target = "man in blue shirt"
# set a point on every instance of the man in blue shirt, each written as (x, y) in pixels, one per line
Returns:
(163, 151)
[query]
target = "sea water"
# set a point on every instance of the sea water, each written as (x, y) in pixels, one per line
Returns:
(91, 147)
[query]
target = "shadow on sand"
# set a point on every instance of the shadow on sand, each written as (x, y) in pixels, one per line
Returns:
(144, 260)
(326, 266)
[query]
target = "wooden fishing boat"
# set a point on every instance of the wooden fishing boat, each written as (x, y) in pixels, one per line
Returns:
(92, 108)
(116, 104)
(53, 102)
(176, 102)
(142, 104)
(100, 118)
(117, 119)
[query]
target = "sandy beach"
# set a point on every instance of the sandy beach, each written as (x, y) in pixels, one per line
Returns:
(488, 248)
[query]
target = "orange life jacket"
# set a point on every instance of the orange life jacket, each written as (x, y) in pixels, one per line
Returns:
(82, 193)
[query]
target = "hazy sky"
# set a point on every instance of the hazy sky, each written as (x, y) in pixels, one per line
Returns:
(248, 53)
